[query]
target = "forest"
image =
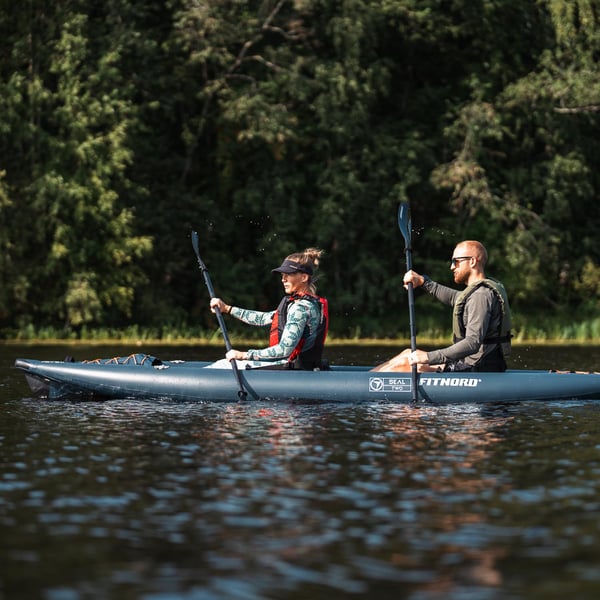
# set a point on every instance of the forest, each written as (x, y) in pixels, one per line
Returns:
(272, 125)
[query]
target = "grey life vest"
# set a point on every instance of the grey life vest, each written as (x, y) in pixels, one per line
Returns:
(458, 326)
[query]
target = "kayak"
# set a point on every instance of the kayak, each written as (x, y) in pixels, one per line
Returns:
(142, 376)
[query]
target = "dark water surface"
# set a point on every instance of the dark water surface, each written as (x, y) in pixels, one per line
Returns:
(163, 501)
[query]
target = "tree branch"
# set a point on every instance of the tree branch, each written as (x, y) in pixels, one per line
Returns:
(228, 75)
(578, 109)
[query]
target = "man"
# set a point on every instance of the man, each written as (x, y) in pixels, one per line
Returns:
(481, 318)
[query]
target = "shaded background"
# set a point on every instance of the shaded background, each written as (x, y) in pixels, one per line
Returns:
(273, 125)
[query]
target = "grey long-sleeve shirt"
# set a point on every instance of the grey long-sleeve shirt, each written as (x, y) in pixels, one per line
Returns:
(482, 317)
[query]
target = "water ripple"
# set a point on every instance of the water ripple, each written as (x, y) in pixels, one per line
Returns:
(278, 501)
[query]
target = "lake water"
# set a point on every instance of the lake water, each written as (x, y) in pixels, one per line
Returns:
(262, 501)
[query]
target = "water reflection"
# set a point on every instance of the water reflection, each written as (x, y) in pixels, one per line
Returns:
(289, 494)
(127, 499)
(451, 444)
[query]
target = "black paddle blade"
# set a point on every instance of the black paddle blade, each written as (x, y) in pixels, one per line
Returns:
(197, 250)
(195, 243)
(404, 222)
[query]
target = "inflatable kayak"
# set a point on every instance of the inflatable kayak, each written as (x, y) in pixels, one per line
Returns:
(141, 376)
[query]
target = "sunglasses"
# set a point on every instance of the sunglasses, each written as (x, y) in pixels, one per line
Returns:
(459, 259)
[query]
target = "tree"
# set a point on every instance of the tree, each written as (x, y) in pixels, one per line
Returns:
(68, 168)
(525, 158)
(275, 125)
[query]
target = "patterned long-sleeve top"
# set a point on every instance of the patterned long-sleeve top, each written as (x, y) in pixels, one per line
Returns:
(300, 314)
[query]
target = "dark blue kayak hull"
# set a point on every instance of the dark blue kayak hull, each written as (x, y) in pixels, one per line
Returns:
(192, 381)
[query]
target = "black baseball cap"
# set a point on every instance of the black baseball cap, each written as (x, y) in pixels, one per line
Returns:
(291, 266)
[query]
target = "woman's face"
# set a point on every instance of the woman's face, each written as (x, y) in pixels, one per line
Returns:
(294, 282)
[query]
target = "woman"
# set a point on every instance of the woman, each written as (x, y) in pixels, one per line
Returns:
(298, 325)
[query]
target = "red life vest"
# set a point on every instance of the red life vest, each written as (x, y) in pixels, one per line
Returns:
(310, 358)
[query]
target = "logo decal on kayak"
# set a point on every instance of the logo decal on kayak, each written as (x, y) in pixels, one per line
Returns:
(403, 384)
(389, 384)
(450, 381)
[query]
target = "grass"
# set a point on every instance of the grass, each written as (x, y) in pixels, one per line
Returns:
(585, 332)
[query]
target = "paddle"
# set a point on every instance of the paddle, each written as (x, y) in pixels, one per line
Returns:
(241, 391)
(405, 225)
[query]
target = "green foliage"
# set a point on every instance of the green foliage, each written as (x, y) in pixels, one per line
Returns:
(275, 125)
(79, 252)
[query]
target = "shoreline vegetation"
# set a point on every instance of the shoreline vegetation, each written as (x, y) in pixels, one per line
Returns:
(585, 333)
(422, 342)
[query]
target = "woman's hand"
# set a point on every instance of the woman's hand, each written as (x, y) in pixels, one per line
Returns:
(218, 303)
